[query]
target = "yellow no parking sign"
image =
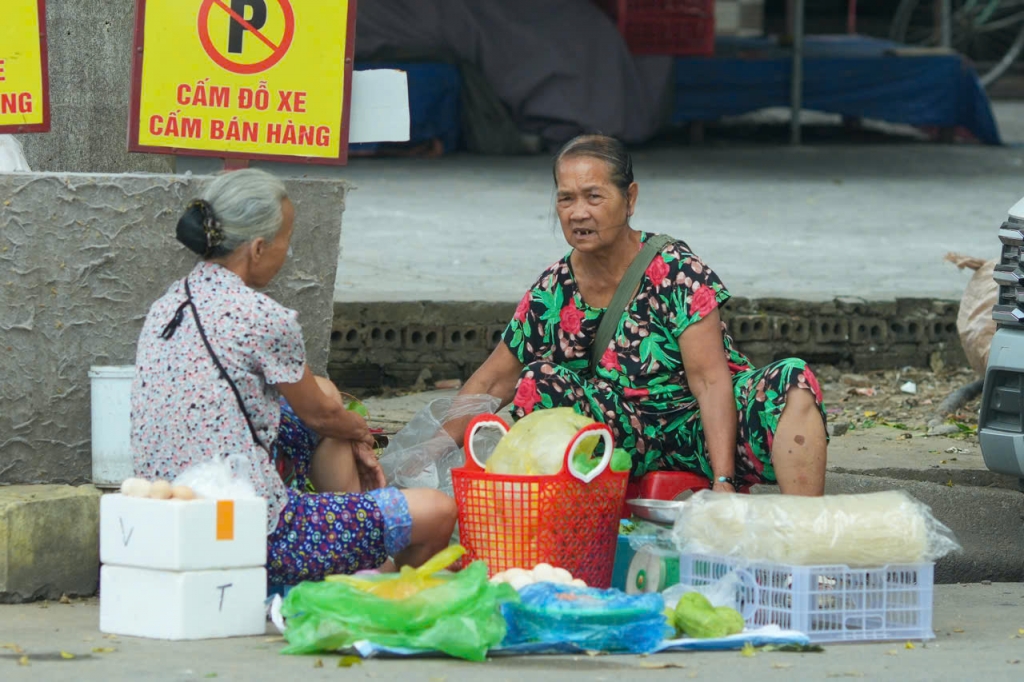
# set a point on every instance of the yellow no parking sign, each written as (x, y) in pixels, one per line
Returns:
(253, 79)
(24, 79)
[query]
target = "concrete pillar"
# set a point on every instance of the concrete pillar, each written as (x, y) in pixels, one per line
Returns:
(90, 53)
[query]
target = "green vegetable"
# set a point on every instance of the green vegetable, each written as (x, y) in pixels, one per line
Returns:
(585, 463)
(358, 408)
(696, 617)
(621, 461)
(732, 618)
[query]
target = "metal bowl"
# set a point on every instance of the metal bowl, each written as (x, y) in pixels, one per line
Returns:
(658, 511)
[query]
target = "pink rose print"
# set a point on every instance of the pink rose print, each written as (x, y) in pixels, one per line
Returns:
(527, 395)
(524, 305)
(812, 383)
(636, 392)
(571, 319)
(702, 301)
(657, 271)
(610, 360)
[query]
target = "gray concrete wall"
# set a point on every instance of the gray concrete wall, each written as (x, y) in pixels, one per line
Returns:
(82, 257)
(90, 54)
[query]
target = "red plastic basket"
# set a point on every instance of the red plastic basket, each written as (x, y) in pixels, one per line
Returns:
(667, 27)
(569, 520)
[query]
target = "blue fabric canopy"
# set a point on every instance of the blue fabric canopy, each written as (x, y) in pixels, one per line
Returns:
(849, 75)
(852, 76)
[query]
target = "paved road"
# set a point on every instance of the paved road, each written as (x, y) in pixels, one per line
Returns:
(977, 627)
(871, 220)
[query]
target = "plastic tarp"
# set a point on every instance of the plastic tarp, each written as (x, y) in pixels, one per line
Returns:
(769, 635)
(853, 76)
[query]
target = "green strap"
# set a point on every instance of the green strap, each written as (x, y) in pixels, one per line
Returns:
(623, 295)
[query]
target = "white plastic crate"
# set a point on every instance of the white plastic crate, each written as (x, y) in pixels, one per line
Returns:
(827, 603)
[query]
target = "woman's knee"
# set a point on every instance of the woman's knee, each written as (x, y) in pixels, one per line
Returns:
(433, 513)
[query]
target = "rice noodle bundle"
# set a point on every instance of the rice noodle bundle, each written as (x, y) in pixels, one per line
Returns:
(866, 530)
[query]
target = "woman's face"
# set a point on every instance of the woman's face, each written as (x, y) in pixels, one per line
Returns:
(274, 252)
(592, 211)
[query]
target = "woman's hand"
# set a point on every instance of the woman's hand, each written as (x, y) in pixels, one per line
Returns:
(320, 406)
(371, 476)
(723, 487)
(352, 426)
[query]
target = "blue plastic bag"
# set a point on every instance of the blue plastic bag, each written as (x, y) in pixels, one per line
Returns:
(593, 619)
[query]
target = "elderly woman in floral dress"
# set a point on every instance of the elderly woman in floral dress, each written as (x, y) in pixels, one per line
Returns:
(221, 370)
(671, 384)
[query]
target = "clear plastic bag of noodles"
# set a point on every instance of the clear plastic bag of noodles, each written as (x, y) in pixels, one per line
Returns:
(867, 530)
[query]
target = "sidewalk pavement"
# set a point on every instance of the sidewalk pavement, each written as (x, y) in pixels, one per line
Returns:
(979, 629)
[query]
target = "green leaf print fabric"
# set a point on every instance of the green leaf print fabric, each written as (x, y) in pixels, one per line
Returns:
(640, 388)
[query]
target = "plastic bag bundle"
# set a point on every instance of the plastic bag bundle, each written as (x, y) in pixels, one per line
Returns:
(458, 614)
(226, 478)
(592, 619)
(536, 444)
(866, 530)
(422, 454)
(974, 320)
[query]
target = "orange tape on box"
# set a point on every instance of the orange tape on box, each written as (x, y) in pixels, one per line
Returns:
(225, 519)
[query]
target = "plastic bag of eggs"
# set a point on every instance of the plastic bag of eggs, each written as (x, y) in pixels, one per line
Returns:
(156, 490)
(541, 573)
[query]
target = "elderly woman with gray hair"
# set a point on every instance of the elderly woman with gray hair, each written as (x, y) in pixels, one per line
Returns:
(221, 370)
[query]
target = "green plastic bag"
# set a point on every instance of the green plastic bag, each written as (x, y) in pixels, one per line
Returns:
(585, 462)
(460, 617)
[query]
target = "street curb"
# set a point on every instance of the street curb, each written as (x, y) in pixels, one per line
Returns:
(988, 522)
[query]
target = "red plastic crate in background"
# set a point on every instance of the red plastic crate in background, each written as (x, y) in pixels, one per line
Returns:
(665, 27)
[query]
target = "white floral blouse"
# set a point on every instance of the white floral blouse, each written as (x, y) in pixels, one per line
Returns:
(183, 411)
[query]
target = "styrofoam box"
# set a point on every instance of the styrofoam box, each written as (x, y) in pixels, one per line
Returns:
(180, 535)
(140, 602)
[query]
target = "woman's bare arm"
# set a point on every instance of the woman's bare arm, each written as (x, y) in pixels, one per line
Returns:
(323, 410)
(710, 380)
(496, 377)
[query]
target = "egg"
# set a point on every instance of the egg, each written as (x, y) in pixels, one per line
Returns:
(135, 487)
(560, 575)
(182, 492)
(544, 573)
(520, 581)
(576, 582)
(160, 490)
(498, 577)
(513, 573)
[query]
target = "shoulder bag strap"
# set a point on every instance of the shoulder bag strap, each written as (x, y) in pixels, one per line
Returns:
(623, 295)
(169, 331)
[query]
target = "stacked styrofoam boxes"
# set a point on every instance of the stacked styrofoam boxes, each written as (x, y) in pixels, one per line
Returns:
(739, 17)
(183, 569)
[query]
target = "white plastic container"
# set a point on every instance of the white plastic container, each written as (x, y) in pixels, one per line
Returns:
(139, 602)
(111, 424)
(827, 603)
(183, 535)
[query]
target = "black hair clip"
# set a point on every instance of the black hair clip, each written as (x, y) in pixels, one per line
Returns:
(199, 229)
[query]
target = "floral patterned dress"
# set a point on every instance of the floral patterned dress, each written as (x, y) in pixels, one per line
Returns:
(639, 388)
